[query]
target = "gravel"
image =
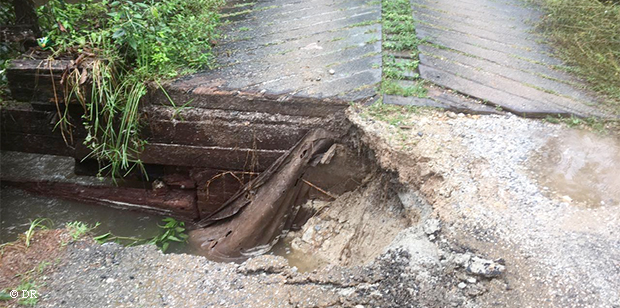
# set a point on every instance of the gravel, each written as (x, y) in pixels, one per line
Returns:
(110, 275)
(485, 191)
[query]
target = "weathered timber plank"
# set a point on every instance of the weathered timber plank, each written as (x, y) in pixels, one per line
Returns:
(224, 134)
(176, 202)
(31, 143)
(34, 80)
(510, 102)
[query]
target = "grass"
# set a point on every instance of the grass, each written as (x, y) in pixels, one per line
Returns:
(119, 46)
(391, 114)
(77, 229)
(399, 36)
(586, 34)
(600, 126)
(399, 74)
(39, 223)
(364, 23)
(391, 87)
(27, 286)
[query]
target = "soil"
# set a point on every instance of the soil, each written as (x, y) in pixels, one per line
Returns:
(354, 228)
(19, 262)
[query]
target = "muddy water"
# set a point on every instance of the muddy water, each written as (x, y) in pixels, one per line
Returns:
(580, 166)
(18, 207)
(303, 261)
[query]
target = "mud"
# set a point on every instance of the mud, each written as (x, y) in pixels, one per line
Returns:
(358, 226)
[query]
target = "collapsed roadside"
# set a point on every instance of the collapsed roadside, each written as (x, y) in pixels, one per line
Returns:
(476, 226)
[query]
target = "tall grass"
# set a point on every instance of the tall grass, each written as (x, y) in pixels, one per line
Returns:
(587, 33)
(119, 46)
(39, 223)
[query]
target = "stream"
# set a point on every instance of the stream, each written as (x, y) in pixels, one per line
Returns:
(18, 208)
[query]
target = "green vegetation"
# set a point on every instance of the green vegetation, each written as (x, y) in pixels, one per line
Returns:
(77, 229)
(586, 32)
(172, 231)
(365, 23)
(399, 36)
(592, 123)
(26, 285)
(39, 223)
(391, 114)
(394, 88)
(119, 47)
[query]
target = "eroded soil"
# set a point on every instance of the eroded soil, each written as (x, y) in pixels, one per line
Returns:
(459, 216)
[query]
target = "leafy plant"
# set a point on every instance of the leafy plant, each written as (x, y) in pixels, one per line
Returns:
(39, 223)
(172, 231)
(77, 229)
(119, 47)
(8, 50)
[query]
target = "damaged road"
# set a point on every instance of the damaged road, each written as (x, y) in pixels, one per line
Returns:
(454, 211)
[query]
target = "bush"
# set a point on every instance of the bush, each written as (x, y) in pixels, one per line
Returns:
(128, 44)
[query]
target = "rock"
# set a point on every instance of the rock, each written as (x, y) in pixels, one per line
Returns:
(485, 268)
(471, 280)
(432, 226)
(331, 72)
(462, 285)
(347, 292)
(462, 259)
(451, 115)
(308, 235)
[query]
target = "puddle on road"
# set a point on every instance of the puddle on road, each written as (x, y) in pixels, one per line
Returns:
(582, 166)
